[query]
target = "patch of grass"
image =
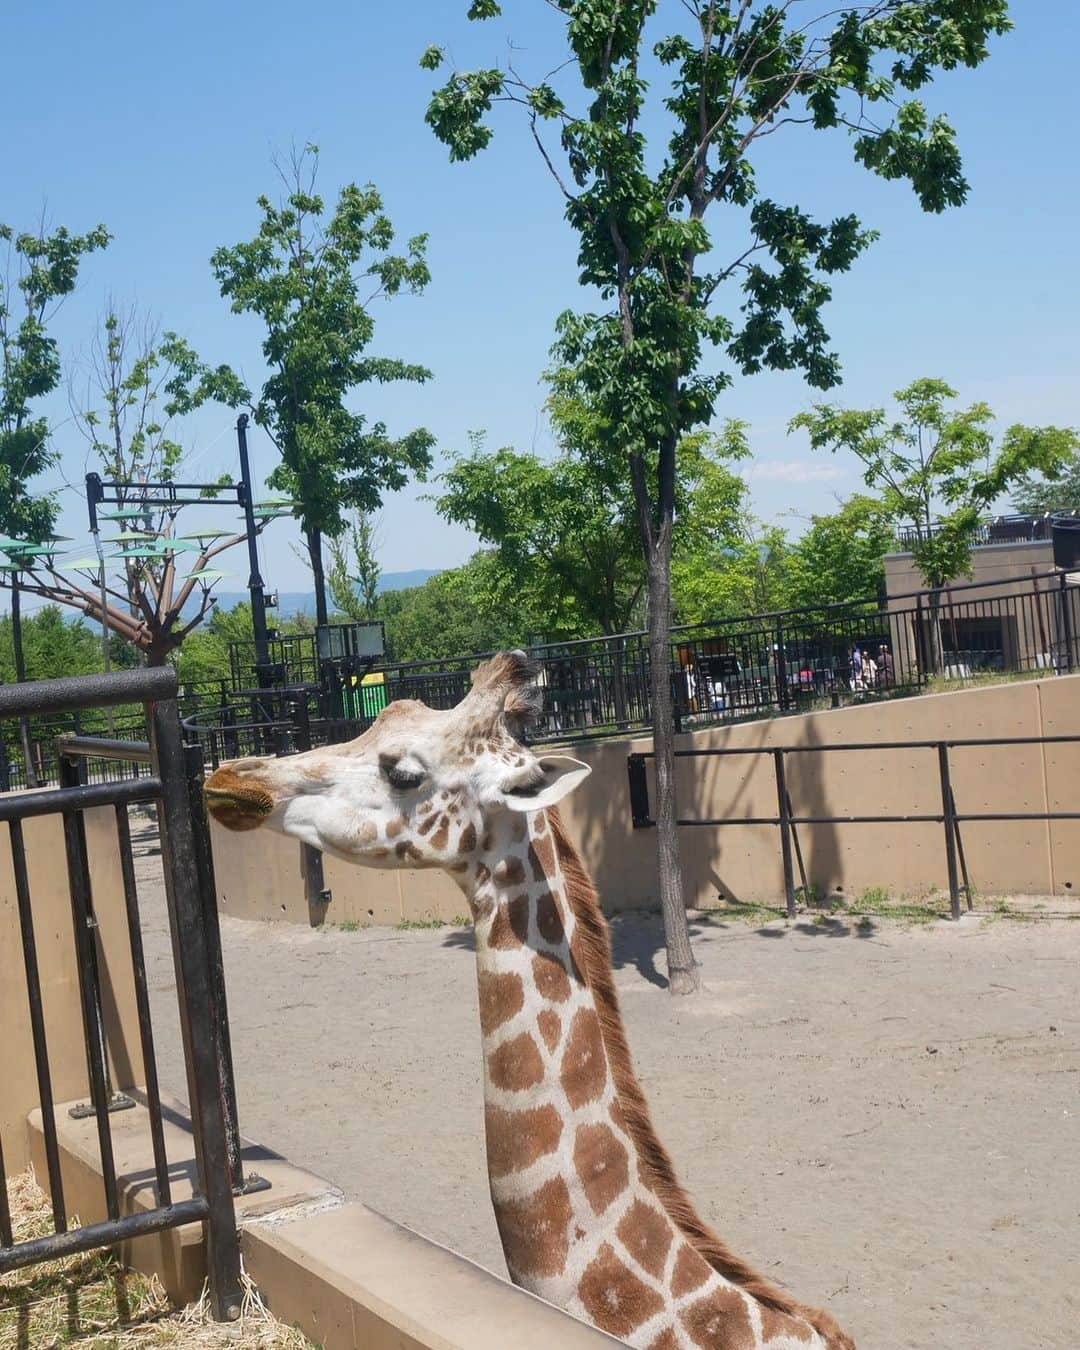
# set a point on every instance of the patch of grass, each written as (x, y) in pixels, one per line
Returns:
(750, 912)
(876, 901)
(348, 926)
(406, 924)
(875, 897)
(92, 1300)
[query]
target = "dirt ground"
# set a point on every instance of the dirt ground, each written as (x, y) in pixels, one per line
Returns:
(885, 1117)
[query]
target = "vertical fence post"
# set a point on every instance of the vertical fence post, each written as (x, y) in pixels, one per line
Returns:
(1066, 618)
(781, 670)
(948, 810)
(785, 831)
(195, 993)
(639, 791)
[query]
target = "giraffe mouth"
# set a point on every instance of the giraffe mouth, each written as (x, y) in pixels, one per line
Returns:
(235, 804)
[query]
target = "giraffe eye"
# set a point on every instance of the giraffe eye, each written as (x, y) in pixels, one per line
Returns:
(402, 780)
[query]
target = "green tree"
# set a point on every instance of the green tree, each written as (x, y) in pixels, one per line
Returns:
(841, 556)
(354, 569)
(639, 202)
(469, 609)
(45, 268)
(935, 467)
(303, 274)
(128, 401)
(937, 471)
(1059, 491)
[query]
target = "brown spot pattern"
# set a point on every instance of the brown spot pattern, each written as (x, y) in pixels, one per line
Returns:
(405, 848)
(550, 1028)
(516, 1139)
(516, 1064)
(584, 1069)
(501, 996)
(774, 1324)
(518, 829)
(467, 842)
(483, 874)
(395, 827)
(510, 872)
(510, 926)
(646, 1235)
(601, 1162)
(720, 1319)
(534, 1231)
(441, 836)
(691, 1271)
(665, 1341)
(542, 858)
(548, 919)
(428, 823)
(614, 1297)
(551, 978)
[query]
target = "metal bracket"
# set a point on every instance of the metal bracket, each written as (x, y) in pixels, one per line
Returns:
(119, 1101)
(252, 1184)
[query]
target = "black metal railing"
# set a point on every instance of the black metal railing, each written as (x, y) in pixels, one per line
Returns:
(725, 671)
(787, 820)
(170, 781)
(1013, 529)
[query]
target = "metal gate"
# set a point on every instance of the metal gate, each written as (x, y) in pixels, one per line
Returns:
(172, 782)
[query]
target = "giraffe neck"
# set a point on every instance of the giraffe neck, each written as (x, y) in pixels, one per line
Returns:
(575, 1196)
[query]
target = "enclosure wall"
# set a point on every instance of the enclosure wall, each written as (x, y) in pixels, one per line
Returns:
(258, 874)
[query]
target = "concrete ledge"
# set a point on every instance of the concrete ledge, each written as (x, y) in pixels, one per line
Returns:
(349, 1278)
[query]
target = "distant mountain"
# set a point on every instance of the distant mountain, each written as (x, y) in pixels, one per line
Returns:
(303, 602)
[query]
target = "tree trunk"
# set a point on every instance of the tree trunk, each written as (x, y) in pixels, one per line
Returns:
(682, 968)
(20, 677)
(314, 546)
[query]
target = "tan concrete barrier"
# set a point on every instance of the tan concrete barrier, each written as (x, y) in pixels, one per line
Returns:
(259, 874)
(58, 972)
(349, 1278)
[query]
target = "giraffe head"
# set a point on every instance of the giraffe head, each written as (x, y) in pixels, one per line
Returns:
(420, 788)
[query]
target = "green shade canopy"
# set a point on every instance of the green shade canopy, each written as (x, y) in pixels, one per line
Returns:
(209, 574)
(204, 534)
(29, 550)
(269, 513)
(84, 562)
(147, 551)
(276, 502)
(129, 513)
(140, 537)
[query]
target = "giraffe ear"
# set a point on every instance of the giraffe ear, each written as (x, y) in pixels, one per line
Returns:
(559, 774)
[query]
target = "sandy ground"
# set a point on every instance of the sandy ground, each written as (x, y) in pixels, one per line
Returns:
(886, 1120)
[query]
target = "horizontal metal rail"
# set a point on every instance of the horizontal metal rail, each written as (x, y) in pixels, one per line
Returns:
(103, 747)
(106, 1234)
(788, 822)
(147, 684)
(50, 801)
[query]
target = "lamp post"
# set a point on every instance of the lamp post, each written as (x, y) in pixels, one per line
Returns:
(255, 581)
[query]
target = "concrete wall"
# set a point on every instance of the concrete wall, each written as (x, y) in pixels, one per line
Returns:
(259, 874)
(989, 562)
(47, 868)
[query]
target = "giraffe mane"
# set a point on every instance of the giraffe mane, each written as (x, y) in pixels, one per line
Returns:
(592, 952)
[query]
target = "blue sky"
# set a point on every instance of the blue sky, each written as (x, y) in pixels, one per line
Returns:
(161, 121)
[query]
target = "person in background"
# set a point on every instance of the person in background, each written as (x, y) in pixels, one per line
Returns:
(886, 673)
(869, 672)
(855, 667)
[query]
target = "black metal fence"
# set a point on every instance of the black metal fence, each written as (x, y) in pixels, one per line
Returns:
(729, 670)
(171, 781)
(787, 821)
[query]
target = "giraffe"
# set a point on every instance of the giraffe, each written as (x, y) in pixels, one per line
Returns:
(588, 1208)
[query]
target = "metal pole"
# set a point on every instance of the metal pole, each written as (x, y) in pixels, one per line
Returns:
(195, 994)
(785, 831)
(949, 814)
(1066, 618)
(255, 581)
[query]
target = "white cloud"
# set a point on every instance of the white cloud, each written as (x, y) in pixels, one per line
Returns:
(792, 471)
